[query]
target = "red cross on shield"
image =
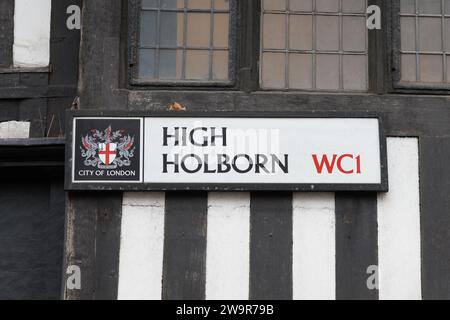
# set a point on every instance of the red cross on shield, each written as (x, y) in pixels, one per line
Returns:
(107, 152)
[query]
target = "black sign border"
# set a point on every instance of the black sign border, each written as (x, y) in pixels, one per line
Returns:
(223, 187)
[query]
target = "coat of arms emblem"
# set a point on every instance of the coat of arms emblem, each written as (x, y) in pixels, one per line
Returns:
(107, 149)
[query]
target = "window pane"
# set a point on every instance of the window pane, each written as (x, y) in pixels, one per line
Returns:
(199, 4)
(184, 43)
(198, 30)
(407, 6)
(148, 28)
(180, 29)
(430, 34)
(273, 75)
(327, 5)
(150, 3)
(354, 35)
(197, 64)
(354, 69)
(447, 35)
(408, 33)
(430, 6)
(168, 29)
(354, 6)
(408, 67)
(279, 5)
(327, 33)
(220, 66)
(431, 68)
(274, 31)
(301, 39)
(222, 4)
(447, 7)
(448, 69)
(171, 4)
(170, 64)
(328, 71)
(300, 71)
(146, 63)
(301, 5)
(221, 26)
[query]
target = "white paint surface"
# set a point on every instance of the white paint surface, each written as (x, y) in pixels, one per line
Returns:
(32, 33)
(14, 130)
(141, 246)
(399, 224)
(314, 246)
(299, 138)
(227, 257)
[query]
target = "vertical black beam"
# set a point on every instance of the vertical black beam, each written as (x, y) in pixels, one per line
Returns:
(356, 244)
(64, 53)
(248, 44)
(93, 223)
(109, 221)
(377, 50)
(100, 56)
(93, 219)
(271, 246)
(53, 242)
(184, 266)
(81, 225)
(6, 32)
(435, 217)
(64, 45)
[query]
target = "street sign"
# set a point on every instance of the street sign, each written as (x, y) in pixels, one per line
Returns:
(226, 151)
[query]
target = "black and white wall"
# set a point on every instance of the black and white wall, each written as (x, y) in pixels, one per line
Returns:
(200, 245)
(290, 246)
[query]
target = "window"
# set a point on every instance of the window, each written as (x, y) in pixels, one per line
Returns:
(32, 33)
(425, 41)
(184, 41)
(314, 45)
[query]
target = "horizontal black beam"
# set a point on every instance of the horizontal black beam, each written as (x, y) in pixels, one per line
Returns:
(403, 115)
(32, 152)
(22, 92)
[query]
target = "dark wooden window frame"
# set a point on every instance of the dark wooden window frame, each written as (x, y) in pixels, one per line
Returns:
(134, 10)
(392, 9)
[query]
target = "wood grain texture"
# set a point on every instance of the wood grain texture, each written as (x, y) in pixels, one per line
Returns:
(356, 244)
(80, 244)
(92, 243)
(31, 238)
(185, 230)
(100, 56)
(6, 32)
(109, 220)
(435, 217)
(271, 246)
